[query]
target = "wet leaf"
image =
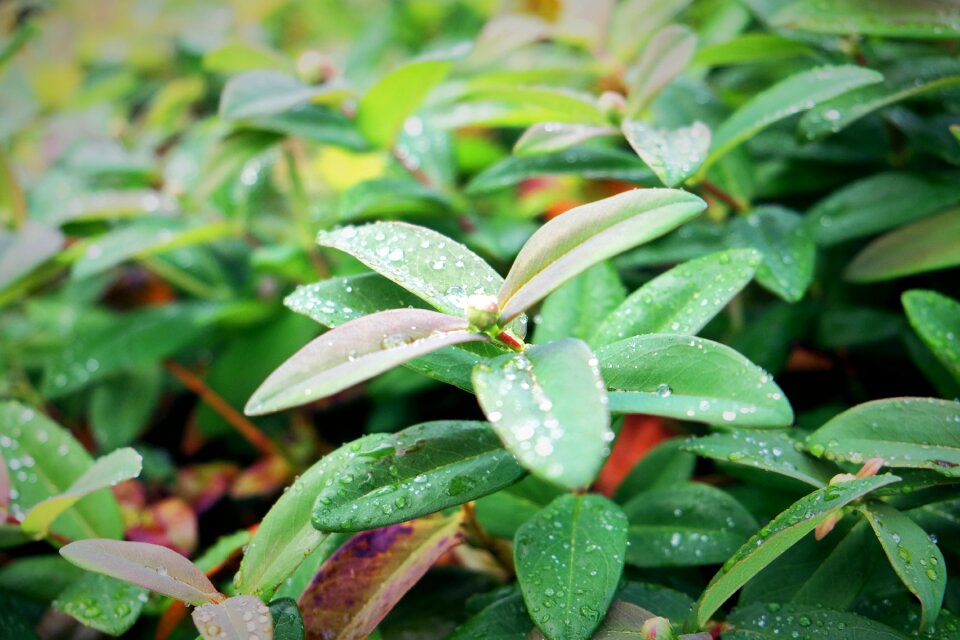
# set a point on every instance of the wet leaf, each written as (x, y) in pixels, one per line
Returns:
(360, 583)
(287, 622)
(922, 19)
(502, 513)
(103, 603)
(236, 618)
(550, 137)
(786, 246)
(691, 379)
(548, 405)
(505, 619)
(674, 155)
(936, 319)
(569, 558)
(927, 245)
(588, 234)
(875, 429)
(337, 301)
(262, 92)
(420, 470)
(774, 621)
(313, 122)
(147, 565)
(667, 54)
(575, 309)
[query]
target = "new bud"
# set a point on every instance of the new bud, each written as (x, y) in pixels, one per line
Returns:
(657, 629)
(482, 311)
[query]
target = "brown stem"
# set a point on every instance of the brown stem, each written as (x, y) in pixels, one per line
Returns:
(722, 195)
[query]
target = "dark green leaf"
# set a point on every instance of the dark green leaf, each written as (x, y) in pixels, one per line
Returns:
(337, 301)
(936, 319)
(103, 603)
(502, 513)
(387, 198)
(762, 621)
(505, 619)
(287, 623)
(622, 622)
(314, 123)
(786, 246)
(663, 466)
(121, 406)
(669, 603)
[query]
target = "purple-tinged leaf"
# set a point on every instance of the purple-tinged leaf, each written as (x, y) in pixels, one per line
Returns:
(357, 351)
(147, 565)
(505, 33)
(669, 52)
(359, 584)
(237, 618)
(589, 234)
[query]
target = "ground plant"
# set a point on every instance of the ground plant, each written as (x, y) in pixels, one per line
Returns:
(480, 319)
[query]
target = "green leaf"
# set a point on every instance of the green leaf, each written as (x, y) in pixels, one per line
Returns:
(300, 579)
(569, 558)
(663, 466)
(786, 246)
(688, 524)
(383, 109)
(45, 460)
(575, 309)
(904, 81)
(876, 429)
(780, 534)
(40, 577)
(510, 105)
(550, 137)
(222, 550)
(936, 319)
(391, 198)
(147, 565)
(120, 407)
(502, 513)
(682, 300)
(265, 93)
(103, 603)
(674, 155)
(669, 603)
(912, 554)
(771, 451)
(691, 379)
(236, 617)
(927, 245)
(749, 48)
(505, 619)
(800, 91)
(548, 405)
(622, 622)
(287, 622)
(773, 621)
(26, 248)
(106, 472)
(420, 470)
(591, 163)
(667, 54)
(922, 19)
(588, 234)
(337, 301)
(312, 122)
(359, 584)
(355, 352)
(880, 202)
(238, 57)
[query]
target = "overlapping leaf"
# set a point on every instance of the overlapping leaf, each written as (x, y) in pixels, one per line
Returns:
(927, 245)
(936, 319)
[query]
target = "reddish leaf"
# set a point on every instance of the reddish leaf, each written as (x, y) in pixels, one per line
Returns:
(169, 523)
(202, 485)
(263, 477)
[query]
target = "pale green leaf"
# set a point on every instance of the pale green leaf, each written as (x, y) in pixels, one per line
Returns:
(236, 618)
(550, 137)
(674, 155)
(667, 54)
(264, 93)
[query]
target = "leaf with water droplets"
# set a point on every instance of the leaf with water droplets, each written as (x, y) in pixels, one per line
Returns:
(550, 137)
(262, 93)
(663, 465)
(495, 103)
(771, 451)
(912, 554)
(876, 430)
(236, 618)
(686, 525)
(666, 55)
(569, 558)
(936, 319)
(287, 621)
(623, 622)
(108, 471)
(360, 583)
(928, 245)
(682, 300)
(45, 460)
(691, 379)
(800, 91)
(548, 405)
(355, 352)
(337, 301)
(502, 513)
(102, 602)
(780, 534)
(588, 234)
(147, 565)
(26, 248)
(420, 470)
(505, 619)
(575, 309)
(786, 246)
(918, 19)
(674, 155)
(775, 621)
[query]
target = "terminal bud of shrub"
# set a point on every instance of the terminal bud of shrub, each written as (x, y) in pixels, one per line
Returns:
(482, 311)
(657, 629)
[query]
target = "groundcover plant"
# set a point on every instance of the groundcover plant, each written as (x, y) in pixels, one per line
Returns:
(465, 319)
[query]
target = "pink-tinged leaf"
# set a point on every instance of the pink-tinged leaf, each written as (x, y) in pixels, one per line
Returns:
(504, 33)
(357, 351)
(171, 523)
(586, 235)
(237, 618)
(668, 53)
(359, 584)
(147, 565)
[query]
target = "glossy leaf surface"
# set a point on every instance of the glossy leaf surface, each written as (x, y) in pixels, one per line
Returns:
(762, 621)
(786, 246)
(236, 618)
(102, 603)
(771, 451)
(674, 155)
(936, 319)
(923, 19)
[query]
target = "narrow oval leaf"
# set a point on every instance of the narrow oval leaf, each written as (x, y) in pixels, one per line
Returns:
(800, 91)
(262, 93)
(505, 619)
(674, 155)
(691, 379)
(913, 555)
(550, 137)
(391, 197)
(360, 583)
(927, 245)
(876, 430)
(780, 534)
(589, 234)
(102, 602)
(569, 558)
(236, 618)
(936, 319)
(147, 565)
(682, 300)
(108, 471)
(355, 352)
(786, 246)
(688, 524)
(420, 470)
(771, 451)
(548, 405)
(775, 621)
(922, 19)
(667, 54)
(575, 309)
